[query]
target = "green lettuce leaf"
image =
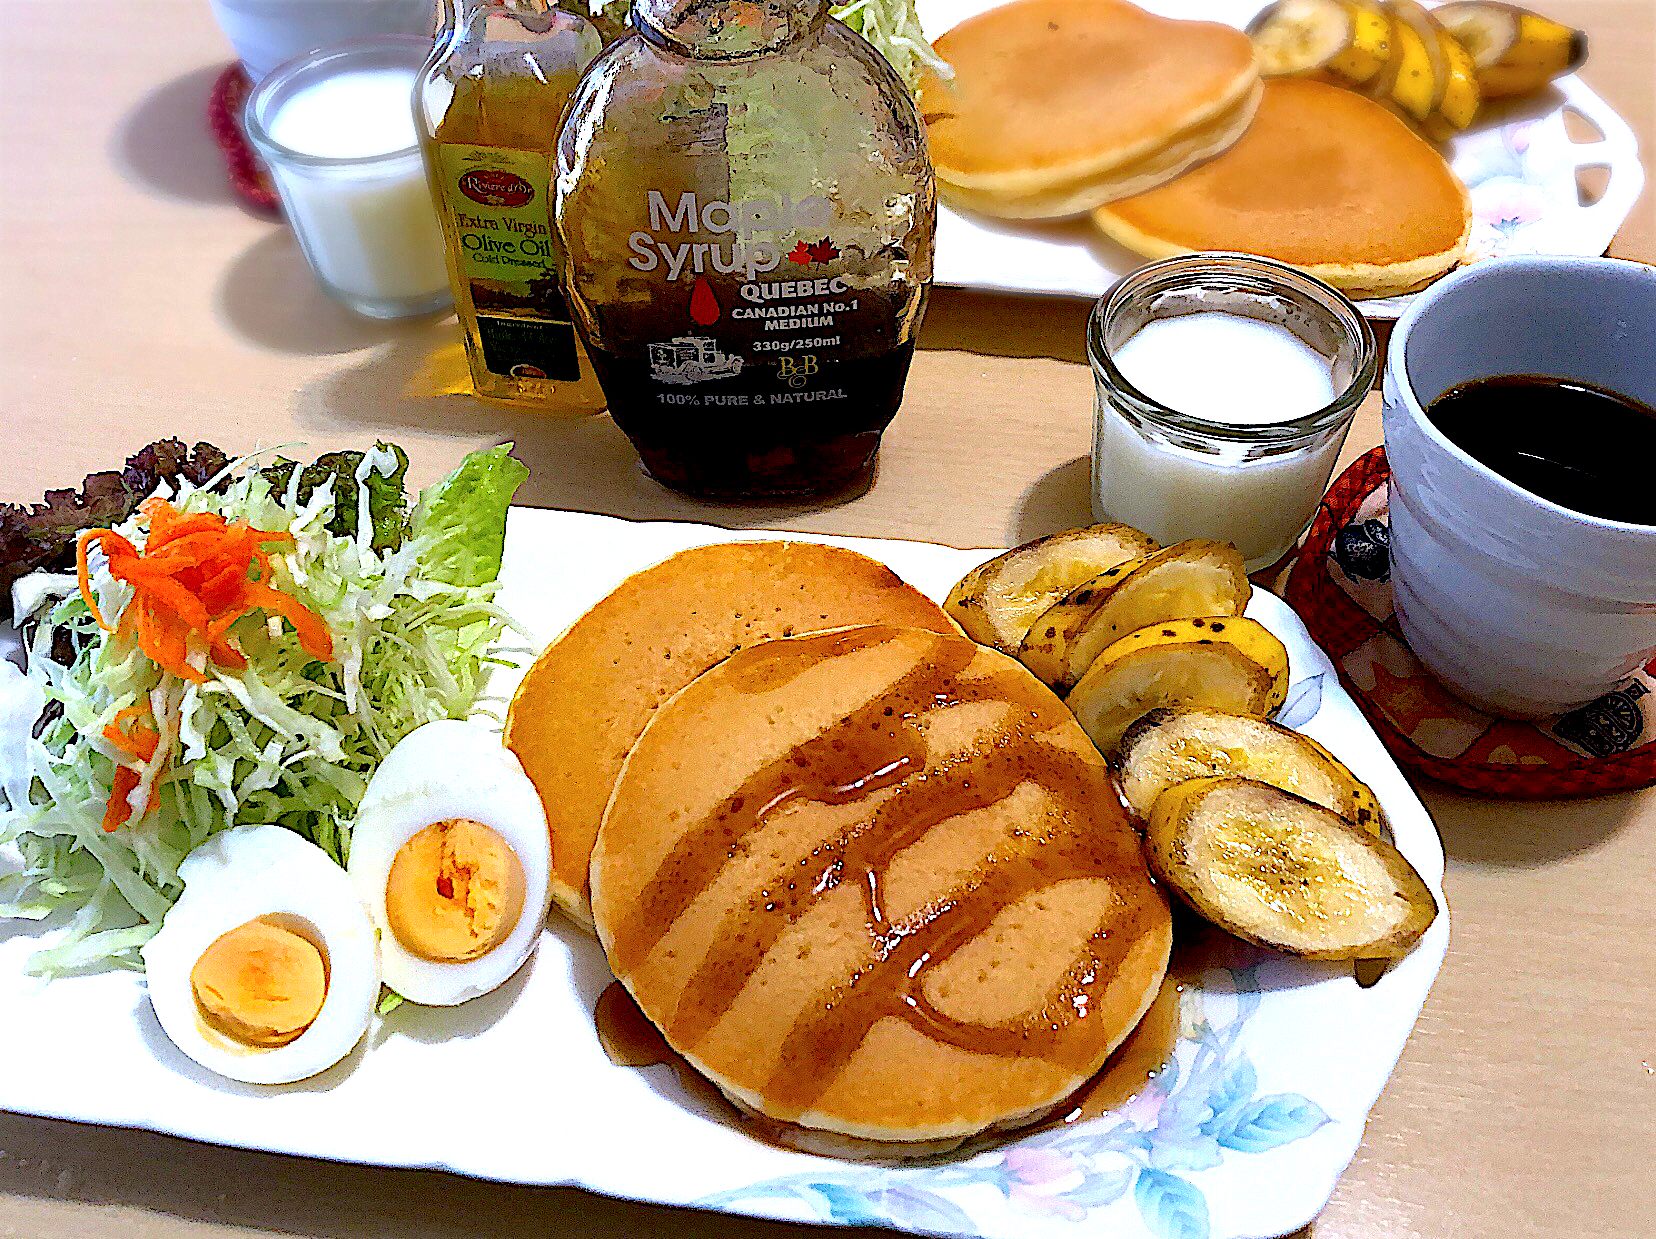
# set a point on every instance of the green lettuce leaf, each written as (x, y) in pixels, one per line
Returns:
(381, 481)
(460, 522)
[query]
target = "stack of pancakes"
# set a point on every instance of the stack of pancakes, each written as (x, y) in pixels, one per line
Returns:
(1058, 106)
(585, 700)
(873, 881)
(1162, 132)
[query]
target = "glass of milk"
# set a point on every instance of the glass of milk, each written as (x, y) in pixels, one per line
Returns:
(336, 127)
(1226, 384)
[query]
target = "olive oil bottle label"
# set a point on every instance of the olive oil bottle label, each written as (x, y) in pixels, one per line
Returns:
(498, 204)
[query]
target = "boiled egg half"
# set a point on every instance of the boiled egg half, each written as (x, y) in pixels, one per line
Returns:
(451, 855)
(266, 969)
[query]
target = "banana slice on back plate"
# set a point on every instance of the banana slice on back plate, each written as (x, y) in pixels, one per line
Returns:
(996, 602)
(1277, 870)
(1370, 48)
(1417, 75)
(1193, 578)
(1346, 41)
(1296, 37)
(1461, 97)
(1513, 50)
(1234, 664)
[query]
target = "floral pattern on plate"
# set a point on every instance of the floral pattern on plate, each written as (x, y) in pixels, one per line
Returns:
(1144, 1160)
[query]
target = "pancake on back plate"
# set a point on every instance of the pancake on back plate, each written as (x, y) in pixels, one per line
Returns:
(586, 698)
(1324, 180)
(875, 884)
(1056, 106)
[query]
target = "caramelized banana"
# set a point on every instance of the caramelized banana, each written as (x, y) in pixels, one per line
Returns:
(996, 602)
(1277, 870)
(1193, 578)
(1227, 664)
(1167, 747)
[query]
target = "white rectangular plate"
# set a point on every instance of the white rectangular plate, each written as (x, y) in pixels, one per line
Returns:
(1278, 1064)
(1517, 162)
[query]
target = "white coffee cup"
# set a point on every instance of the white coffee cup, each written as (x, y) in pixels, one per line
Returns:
(1523, 607)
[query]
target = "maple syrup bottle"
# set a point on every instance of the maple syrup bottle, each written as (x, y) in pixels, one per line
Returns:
(748, 213)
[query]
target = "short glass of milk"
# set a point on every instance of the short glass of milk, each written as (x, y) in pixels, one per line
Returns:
(1225, 387)
(336, 128)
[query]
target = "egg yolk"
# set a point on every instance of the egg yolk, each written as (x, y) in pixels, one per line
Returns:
(260, 984)
(454, 891)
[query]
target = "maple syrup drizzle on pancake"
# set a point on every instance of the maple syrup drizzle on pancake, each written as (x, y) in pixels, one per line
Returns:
(1135, 1062)
(876, 747)
(630, 1040)
(625, 1032)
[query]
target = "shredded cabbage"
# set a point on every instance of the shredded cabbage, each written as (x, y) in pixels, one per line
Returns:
(892, 26)
(289, 740)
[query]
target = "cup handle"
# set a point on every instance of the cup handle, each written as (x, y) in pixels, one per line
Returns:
(1617, 152)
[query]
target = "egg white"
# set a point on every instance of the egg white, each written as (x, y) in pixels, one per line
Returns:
(449, 769)
(240, 875)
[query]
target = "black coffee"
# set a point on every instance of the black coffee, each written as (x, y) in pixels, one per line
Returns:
(1578, 445)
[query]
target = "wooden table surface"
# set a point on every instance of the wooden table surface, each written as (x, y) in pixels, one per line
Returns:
(141, 300)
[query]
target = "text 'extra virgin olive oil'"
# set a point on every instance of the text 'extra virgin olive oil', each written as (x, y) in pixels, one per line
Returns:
(748, 212)
(488, 103)
(1577, 445)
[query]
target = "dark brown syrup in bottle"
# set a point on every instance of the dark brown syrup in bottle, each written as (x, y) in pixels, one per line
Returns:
(768, 431)
(1578, 445)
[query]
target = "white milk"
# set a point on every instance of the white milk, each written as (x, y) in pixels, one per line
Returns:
(1223, 368)
(1226, 368)
(367, 226)
(355, 114)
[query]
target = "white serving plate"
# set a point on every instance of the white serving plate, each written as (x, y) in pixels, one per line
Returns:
(1278, 1064)
(1519, 166)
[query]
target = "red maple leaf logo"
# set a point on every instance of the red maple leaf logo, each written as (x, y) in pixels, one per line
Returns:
(823, 251)
(800, 253)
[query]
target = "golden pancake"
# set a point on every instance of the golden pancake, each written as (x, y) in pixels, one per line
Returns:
(1324, 180)
(1135, 176)
(877, 886)
(1058, 105)
(589, 694)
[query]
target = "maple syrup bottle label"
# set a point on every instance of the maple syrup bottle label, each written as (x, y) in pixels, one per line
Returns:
(748, 211)
(498, 205)
(765, 366)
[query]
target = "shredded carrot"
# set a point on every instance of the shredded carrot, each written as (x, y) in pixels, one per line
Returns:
(140, 741)
(134, 734)
(196, 576)
(119, 808)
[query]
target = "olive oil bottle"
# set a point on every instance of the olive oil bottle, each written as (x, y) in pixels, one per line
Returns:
(487, 106)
